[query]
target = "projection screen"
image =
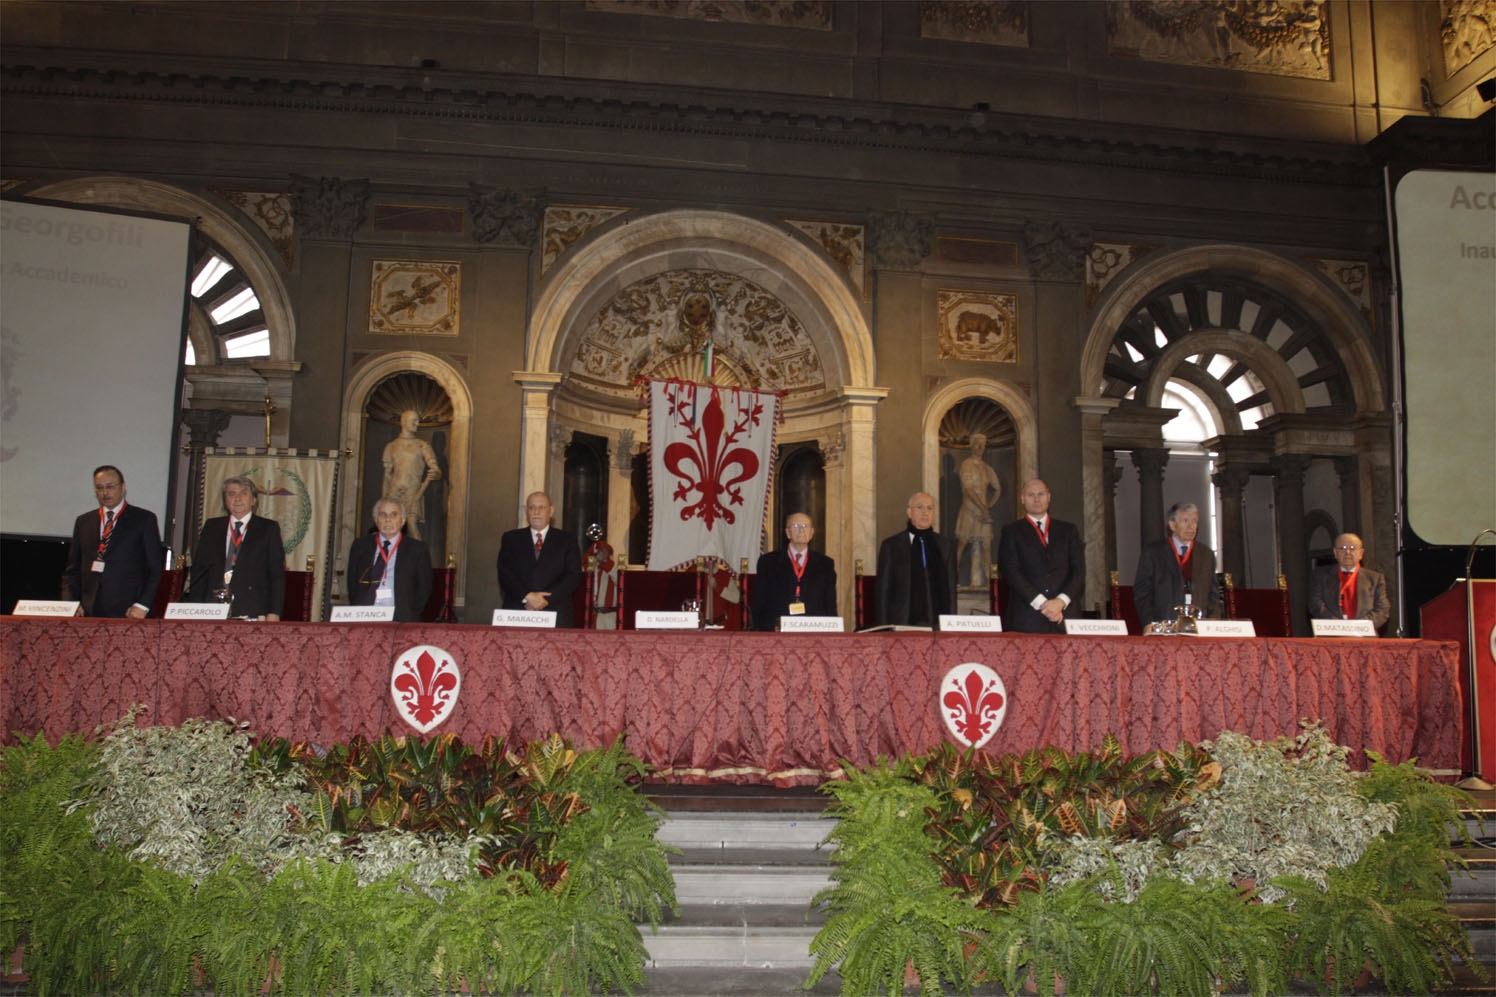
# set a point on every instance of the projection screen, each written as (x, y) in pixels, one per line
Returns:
(1446, 245)
(92, 320)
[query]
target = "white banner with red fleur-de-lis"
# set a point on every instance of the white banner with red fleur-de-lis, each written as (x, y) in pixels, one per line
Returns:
(711, 458)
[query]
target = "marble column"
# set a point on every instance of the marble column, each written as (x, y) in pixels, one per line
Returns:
(1095, 504)
(1231, 482)
(837, 536)
(620, 493)
(1150, 463)
(859, 500)
(1349, 471)
(1288, 483)
(534, 453)
(1111, 477)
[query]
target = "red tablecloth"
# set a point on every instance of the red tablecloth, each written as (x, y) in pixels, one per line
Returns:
(743, 707)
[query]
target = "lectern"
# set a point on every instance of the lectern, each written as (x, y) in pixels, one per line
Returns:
(1466, 614)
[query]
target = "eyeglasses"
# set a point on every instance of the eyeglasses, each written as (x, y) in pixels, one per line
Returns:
(798, 527)
(1347, 548)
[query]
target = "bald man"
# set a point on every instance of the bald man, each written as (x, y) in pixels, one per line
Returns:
(1044, 564)
(916, 570)
(1347, 591)
(794, 580)
(540, 565)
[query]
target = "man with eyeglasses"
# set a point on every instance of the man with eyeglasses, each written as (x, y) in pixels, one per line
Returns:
(794, 580)
(1347, 591)
(116, 558)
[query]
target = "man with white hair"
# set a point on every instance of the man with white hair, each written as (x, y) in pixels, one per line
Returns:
(389, 568)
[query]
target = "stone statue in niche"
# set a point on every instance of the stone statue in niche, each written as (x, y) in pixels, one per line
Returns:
(974, 520)
(410, 465)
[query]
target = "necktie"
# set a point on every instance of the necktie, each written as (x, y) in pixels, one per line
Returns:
(539, 541)
(108, 518)
(234, 547)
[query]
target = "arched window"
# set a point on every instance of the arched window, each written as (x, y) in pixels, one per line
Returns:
(226, 315)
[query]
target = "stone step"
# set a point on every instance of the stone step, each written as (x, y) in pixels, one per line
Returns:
(787, 832)
(744, 946)
(748, 885)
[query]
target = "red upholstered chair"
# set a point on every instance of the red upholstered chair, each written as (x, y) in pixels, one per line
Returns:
(668, 590)
(997, 592)
(299, 589)
(864, 596)
(1268, 609)
(1119, 606)
(439, 608)
(170, 590)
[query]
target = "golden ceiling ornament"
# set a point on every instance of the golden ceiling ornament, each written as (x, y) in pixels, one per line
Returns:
(407, 391)
(971, 416)
(687, 367)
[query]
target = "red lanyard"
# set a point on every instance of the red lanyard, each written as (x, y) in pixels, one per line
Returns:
(1348, 590)
(1043, 534)
(386, 553)
(799, 565)
(1184, 558)
(106, 526)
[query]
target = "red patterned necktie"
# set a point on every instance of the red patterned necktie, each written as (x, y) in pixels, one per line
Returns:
(539, 542)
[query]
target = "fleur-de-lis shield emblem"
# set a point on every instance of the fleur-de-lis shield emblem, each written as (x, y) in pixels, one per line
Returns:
(711, 465)
(973, 702)
(425, 684)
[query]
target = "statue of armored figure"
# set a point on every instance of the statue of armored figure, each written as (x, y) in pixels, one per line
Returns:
(410, 465)
(974, 521)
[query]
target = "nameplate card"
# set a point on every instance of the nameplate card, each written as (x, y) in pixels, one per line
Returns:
(1096, 628)
(812, 624)
(667, 620)
(1343, 628)
(1225, 628)
(951, 623)
(196, 611)
(543, 618)
(363, 614)
(45, 607)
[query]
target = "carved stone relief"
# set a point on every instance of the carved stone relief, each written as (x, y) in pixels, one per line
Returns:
(272, 213)
(899, 240)
(993, 22)
(1105, 261)
(1467, 28)
(843, 243)
(415, 297)
(565, 224)
(674, 314)
(1055, 251)
(813, 14)
(623, 453)
(1352, 277)
(508, 217)
(1256, 36)
(329, 207)
(978, 325)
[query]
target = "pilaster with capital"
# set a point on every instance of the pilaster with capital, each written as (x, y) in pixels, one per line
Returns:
(534, 453)
(858, 504)
(1111, 477)
(1150, 462)
(1094, 502)
(1288, 484)
(621, 491)
(560, 439)
(1231, 482)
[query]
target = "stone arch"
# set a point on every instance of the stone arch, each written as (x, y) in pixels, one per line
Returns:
(362, 382)
(1265, 362)
(1335, 314)
(1013, 401)
(213, 220)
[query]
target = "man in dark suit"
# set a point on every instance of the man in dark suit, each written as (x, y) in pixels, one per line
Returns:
(1176, 570)
(1347, 591)
(539, 565)
(389, 568)
(916, 570)
(794, 580)
(241, 553)
(115, 558)
(1042, 561)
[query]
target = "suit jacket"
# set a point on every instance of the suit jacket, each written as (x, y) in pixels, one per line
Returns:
(259, 584)
(1371, 595)
(893, 577)
(132, 564)
(1158, 587)
(558, 570)
(1031, 568)
(412, 575)
(774, 587)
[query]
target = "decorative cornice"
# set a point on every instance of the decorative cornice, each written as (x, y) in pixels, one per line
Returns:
(576, 104)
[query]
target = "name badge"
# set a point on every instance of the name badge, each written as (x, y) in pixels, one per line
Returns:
(97, 567)
(45, 607)
(363, 614)
(1097, 628)
(1343, 628)
(812, 624)
(951, 623)
(1225, 628)
(666, 620)
(196, 611)
(797, 609)
(228, 578)
(544, 618)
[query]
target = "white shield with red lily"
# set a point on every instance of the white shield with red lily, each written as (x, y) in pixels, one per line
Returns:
(711, 458)
(973, 702)
(425, 684)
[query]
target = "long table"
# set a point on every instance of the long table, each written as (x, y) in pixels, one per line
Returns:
(741, 707)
